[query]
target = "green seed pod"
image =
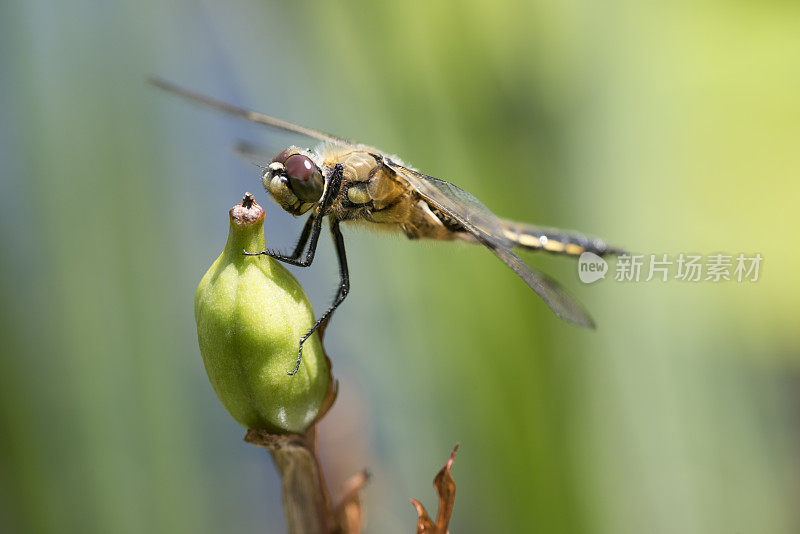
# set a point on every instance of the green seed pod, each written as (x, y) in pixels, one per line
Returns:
(251, 314)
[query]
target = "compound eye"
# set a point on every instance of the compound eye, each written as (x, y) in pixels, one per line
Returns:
(281, 157)
(305, 178)
(300, 167)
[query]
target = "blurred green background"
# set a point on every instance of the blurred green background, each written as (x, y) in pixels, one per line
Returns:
(667, 128)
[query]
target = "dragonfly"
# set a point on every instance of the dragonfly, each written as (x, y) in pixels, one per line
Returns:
(347, 182)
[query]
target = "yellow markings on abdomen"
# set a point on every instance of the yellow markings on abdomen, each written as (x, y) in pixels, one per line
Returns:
(528, 240)
(551, 245)
(550, 240)
(525, 240)
(574, 250)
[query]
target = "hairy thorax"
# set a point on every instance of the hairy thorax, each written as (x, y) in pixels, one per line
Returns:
(372, 192)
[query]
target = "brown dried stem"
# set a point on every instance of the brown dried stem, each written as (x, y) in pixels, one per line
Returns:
(305, 499)
(306, 502)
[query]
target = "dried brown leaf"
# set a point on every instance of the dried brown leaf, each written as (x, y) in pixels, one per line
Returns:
(348, 514)
(446, 488)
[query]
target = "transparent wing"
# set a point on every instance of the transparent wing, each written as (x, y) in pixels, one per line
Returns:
(252, 116)
(560, 301)
(478, 220)
(257, 155)
(456, 203)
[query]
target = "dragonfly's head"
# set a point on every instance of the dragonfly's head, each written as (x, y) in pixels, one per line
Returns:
(294, 181)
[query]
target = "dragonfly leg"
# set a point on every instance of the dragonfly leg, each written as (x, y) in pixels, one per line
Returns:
(312, 228)
(310, 235)
(344, 289)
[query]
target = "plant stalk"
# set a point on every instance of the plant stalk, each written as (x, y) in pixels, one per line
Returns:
(306, 502)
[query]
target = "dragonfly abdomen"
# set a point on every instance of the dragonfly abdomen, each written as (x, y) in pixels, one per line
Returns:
(554, 241)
